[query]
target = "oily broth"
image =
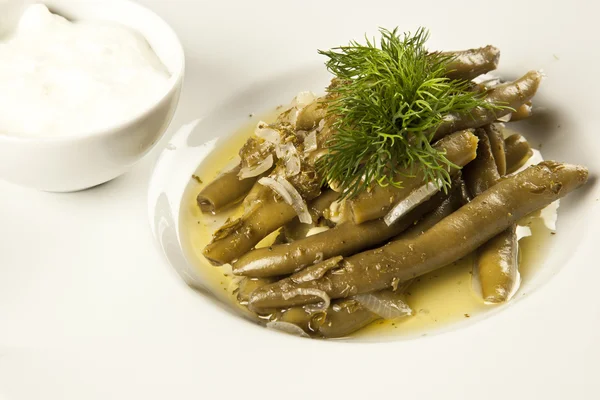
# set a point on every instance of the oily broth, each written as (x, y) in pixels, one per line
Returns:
(196, 228)
(438, 299)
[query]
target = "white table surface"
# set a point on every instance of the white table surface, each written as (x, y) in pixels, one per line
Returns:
(90, 310)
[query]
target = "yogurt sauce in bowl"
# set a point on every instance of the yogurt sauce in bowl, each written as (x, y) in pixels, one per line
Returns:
(85, 98)
(63, 78)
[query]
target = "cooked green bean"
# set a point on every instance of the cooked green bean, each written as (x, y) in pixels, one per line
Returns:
(343, 240)
(270, 213)
(248, 285)
(267, 213)
(481, 173)
(319, 205)
(343, 318)
(469, 64)
(460, 149)
(512, 94)
(225, 190)
(452, 238)
(496, 265)
(237, 237)
(298, 316)
(518, 152)
(346, 316)
(498, 147)
(228, 188)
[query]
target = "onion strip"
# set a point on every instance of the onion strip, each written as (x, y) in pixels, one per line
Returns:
(310, 142)
(304, 98)
(290, 157)
(260, 168)
(297, 202)
(290, 195)
(386, 305)
(415, 198)
(276, 187)
(267, 133)
(287, 327)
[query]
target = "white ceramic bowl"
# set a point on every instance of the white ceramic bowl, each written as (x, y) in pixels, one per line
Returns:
(76, 162)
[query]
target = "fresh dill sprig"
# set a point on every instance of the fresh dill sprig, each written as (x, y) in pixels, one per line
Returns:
(386, 103)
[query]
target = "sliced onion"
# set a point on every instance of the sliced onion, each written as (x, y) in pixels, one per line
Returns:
(303, 99)
(415, 198)
(491, 83)
(483, 78)
(505, 118)
(321, 125)
(292, 165)
(310, 142)
(292, 116)
(277, 188)
(282, 150)
(523, 232)
(267, 133)
(316, 230)
(288, 153)
(321, 306)
(260, 168)
(488, 81)
(290, 195)
(297, 202)
(386, 304)
(287, 327)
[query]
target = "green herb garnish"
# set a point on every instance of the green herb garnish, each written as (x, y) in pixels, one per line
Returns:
(386, 103)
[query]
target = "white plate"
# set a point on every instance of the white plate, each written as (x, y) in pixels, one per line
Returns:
(79, 322)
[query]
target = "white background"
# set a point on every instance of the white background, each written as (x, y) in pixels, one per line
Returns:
(90, 310)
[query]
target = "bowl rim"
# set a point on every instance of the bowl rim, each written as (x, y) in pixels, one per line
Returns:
(175, 81)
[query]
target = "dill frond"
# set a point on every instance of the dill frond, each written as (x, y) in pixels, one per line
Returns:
(387, 100)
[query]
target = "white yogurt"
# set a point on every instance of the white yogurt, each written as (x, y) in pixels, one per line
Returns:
(63, 78)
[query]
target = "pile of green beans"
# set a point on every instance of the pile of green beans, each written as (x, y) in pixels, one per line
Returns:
(315, 275)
